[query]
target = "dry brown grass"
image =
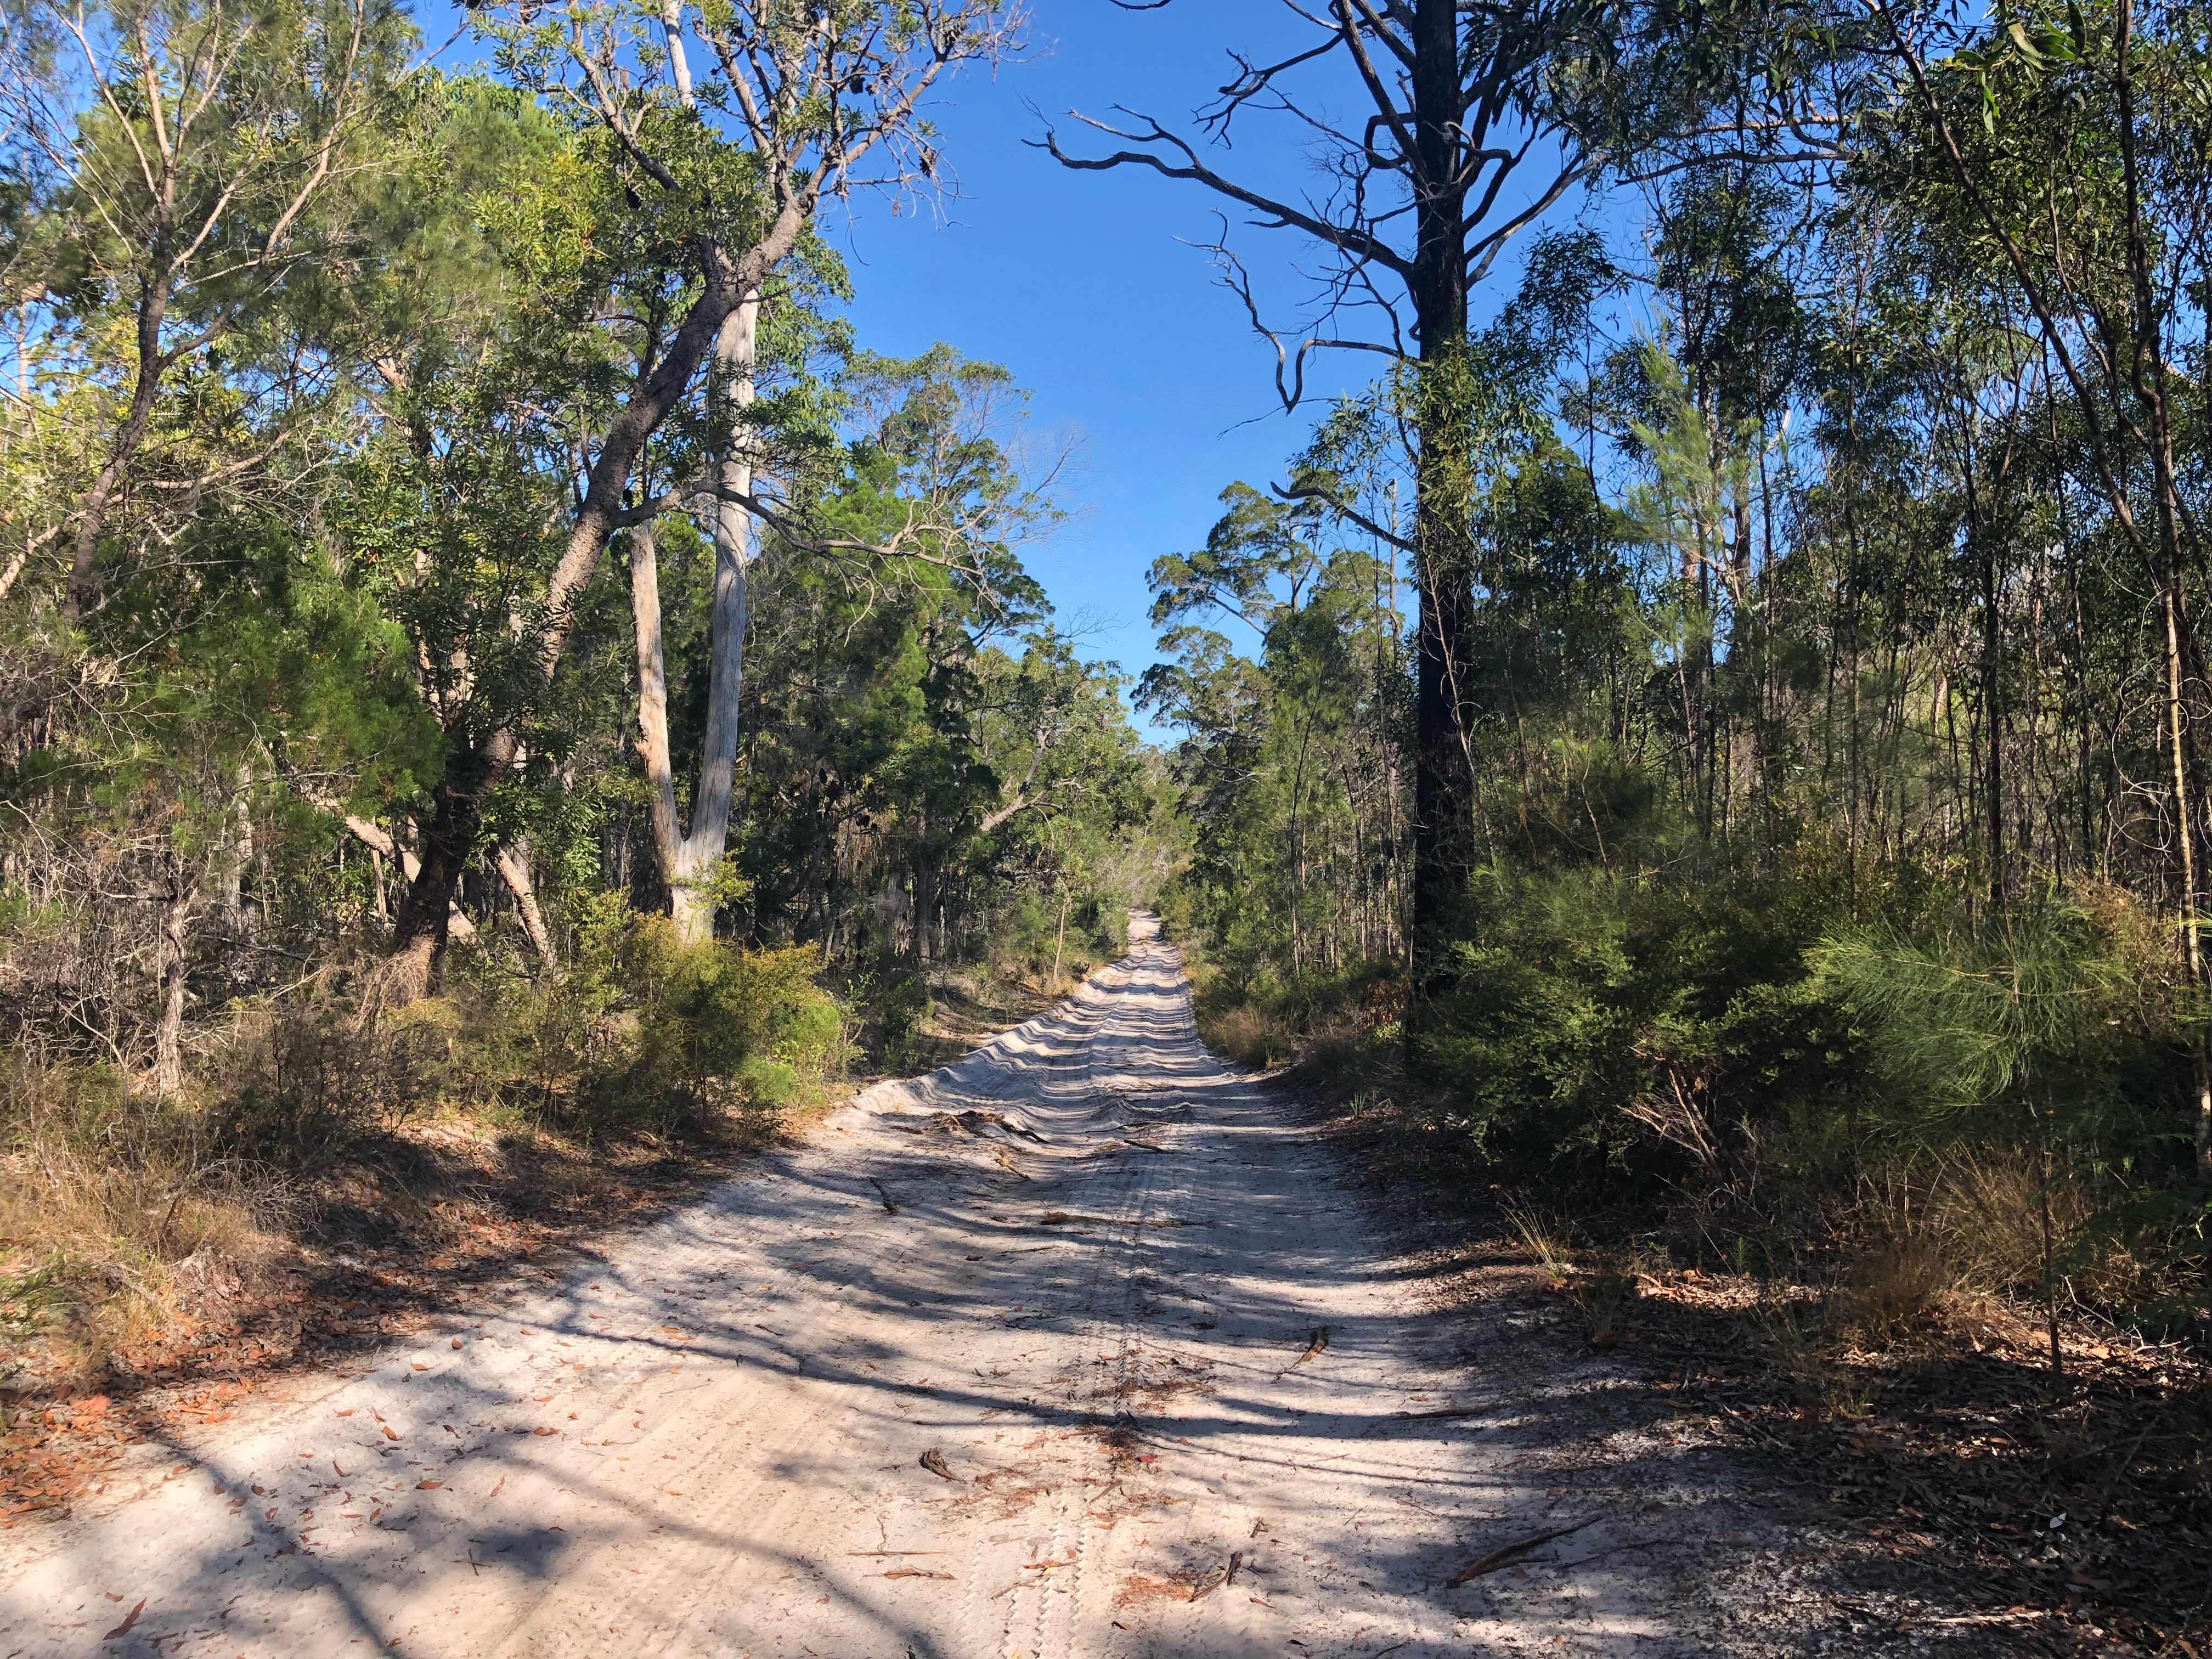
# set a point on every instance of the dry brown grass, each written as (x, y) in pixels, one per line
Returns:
(117, 1220)
(1900, 1287)
(1982, 1213)
(1248, 1035)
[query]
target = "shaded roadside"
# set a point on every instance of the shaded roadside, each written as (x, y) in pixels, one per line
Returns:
(450, 1212)
(1944, 1491)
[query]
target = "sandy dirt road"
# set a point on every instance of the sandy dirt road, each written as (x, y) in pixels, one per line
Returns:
(1186, 1396)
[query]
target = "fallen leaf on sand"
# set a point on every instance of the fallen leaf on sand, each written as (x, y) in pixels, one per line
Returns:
(933, 1461)
(390, 1433)
(129, 1619)
(427, 1486)
(545, 1431)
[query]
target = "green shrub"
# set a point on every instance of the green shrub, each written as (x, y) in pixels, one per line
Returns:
(639, 1033)
(1746, 1054)
(303, 1087)
(1591, 1013)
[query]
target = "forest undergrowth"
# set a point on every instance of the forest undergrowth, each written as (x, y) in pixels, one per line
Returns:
(1696, 1150)
(335, 1170)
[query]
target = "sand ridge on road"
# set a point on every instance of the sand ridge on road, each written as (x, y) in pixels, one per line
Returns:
(1181, 1396)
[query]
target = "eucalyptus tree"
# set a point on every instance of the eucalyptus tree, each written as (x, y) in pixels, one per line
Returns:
(1474, 121)
(788, 107)
(191, 159)
(917, 508)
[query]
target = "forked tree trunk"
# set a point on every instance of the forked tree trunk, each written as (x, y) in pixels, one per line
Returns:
(419, 941)
(688, 860)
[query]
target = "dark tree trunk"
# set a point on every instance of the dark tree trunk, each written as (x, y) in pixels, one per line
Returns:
(92, 516)
(449, 840)
(1444, 491)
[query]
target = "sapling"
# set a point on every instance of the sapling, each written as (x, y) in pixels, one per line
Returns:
(2017, 1015)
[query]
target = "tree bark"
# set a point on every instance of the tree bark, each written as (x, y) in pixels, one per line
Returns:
(91, 517)
(689, 860)
(1444, 494)
(449, 839)
(169, 1032)
(928, 878)
(382, 846)
(514, 866)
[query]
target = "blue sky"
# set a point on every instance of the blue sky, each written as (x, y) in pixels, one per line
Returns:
(1094, 288)
(1087, 287)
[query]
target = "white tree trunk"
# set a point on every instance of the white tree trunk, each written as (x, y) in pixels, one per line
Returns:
(690, 860)
(514, 867)
(679, 65)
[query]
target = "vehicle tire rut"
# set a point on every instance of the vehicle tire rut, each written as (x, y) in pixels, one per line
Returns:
(1103, 1257)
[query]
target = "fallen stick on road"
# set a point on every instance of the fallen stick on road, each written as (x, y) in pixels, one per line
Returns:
(1506, 1554)
(1219, 1577)
(1447, 1411)
(1065, 1218)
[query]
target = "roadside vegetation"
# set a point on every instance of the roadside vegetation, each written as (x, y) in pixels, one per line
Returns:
(504, 700)
(1756, 876)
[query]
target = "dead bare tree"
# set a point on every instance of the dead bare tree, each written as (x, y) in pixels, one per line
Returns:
(1481, 117)
(1469, 140)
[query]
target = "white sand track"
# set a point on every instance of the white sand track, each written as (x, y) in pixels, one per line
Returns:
(1102, 1310)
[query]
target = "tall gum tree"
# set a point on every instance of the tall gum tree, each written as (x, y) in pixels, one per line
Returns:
(787, 107)
(1477, 120)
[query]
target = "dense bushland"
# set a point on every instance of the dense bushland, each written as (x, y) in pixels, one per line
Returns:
(1815, 626)
(484, 651)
